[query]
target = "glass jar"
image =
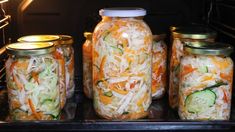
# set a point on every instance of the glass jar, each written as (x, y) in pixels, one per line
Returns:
(87, 65)
(65, 47)
(182, 35)
(205, 87)
(159, 65)
(32, 82)
(57, 55)
(122, 44)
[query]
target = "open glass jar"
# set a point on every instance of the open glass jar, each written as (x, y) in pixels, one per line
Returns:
(57, 55)
(32, 81)
(87, 65)
(121, 56)
(159, 65)
(181, 35)
(205, 87)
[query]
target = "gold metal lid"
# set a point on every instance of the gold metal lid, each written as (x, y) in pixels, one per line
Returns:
(39, 38)
(193, 32)
(26, 49)
(65, 39)
(208, 48)
(88, 35)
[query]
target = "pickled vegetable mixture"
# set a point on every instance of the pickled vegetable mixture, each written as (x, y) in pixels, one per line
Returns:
(87, 70)
(176, 54)
(68, 54)
(205, 88)
(122, 68)
(58, 55)
(159, 69)
(33, 87)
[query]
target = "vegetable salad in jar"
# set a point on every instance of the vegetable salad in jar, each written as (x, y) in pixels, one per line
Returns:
(57, 55)
(206, 75)
(87, 65)
(181, 35)
(122, 44)
(159, 65)
(32, 82)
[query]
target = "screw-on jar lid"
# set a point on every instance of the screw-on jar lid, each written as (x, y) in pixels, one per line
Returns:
(40, 38)
(208, 48)
(88, 35)
(65, 39)
(193, 32)
(123, 12)
(26, 49)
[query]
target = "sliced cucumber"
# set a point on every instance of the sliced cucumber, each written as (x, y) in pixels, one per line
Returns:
(108, 94)
(203, 69)
(200, 101)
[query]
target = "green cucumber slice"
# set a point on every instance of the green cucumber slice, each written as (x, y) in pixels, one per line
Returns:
(108, 94)
(200, 101)
(203, 69)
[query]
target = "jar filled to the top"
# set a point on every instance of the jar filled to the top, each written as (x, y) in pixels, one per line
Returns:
(206, 78)
(87, 65)
(32, 81)
(181, 35)
(121, 52)
(65, 47)
(159, 66)
(57, 55)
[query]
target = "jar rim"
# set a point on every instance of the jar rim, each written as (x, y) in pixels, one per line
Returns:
(65, 40)
(208, 48)
(193, 32)
(28, 49)
(123, 12)
(40, 38)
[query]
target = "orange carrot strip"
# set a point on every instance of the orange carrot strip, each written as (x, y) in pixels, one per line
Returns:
(38, 117)
(103, 61)
(17, 82)
(225, 98)
(187, 69)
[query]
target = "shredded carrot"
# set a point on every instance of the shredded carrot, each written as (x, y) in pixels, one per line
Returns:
(17, 82)
(35, 76)
(12, 66)
(225, 98)
(187, 69)
(221, 64)
(228, 77)
(115, 89)
(104, 99)
(31, 105)
(207, 78)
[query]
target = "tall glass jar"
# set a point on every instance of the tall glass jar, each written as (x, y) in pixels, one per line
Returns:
(57, 55)
(182, 35)
(206, 77)
(32, 82)
(122, 44)
(65, 47)
(87, 65)
(159, 65)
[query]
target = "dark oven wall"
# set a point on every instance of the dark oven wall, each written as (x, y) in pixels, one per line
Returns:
(73, 17)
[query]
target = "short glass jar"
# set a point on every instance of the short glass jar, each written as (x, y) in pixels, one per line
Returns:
(87, 65)
(32, 82)
(181, 35)
(205, 86)
(159, 66)
(57, 55)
